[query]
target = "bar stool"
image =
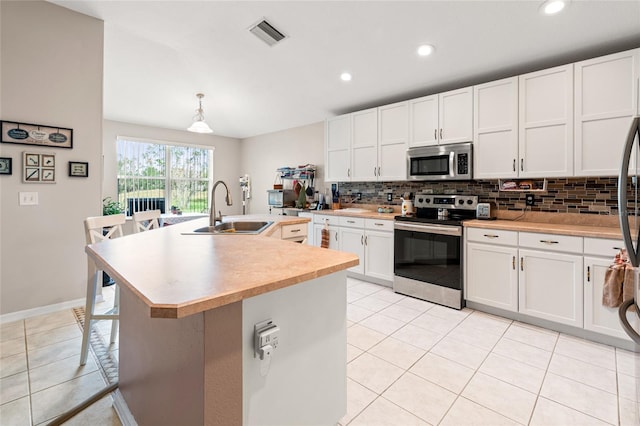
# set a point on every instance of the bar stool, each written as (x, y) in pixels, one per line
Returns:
(145, 221)
(94, 231)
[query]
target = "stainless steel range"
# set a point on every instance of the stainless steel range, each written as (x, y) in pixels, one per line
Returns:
(428, 260)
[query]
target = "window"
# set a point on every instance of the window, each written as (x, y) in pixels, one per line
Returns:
(153, 175)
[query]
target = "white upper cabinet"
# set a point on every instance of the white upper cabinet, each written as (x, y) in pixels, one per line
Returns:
(441, 119)
(456, 116)
(605, 102)
(423, 121)
(338, 148)
(546, 123)
(364, 145)
(393, 135)
(495, 149)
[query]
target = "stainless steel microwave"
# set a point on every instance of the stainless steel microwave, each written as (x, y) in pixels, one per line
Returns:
(442, 162)
(281, 197)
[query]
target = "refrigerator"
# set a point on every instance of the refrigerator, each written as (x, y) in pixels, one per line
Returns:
(628, 208)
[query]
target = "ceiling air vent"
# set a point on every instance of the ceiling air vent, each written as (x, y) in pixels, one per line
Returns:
(267, 33)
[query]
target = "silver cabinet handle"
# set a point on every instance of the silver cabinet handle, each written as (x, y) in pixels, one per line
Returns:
(379, 224)
(492, 236)
(351, 221)
(440, 134)
(522, 263)
(513, 263)
(374, 172)
(588, 273)
(295, 230)
(549, 242)
(349, 172)
(617, 248)
(336, 234)
(379, 171)
(365, 240)
(514, 164)
(522, 164)
(361, 240)
(435, 133)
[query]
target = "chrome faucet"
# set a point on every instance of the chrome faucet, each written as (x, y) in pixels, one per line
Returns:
(227, 198)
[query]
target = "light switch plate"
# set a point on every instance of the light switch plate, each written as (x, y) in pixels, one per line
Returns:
(28, 198)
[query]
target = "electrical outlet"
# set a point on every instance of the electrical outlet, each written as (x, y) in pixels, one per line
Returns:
(359, 196)
(530, 200)
(28, 199)
(389, 197)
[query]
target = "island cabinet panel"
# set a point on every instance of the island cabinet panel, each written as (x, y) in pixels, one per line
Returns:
(173, 371)
(306, 379)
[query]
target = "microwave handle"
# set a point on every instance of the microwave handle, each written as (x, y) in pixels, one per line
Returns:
(452, 162)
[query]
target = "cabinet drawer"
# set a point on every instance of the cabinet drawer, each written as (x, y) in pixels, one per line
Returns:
(602, 246)
(379, 224)
(322, 218)
(550, 242)
(292, 231)
(494, 236)
(351, 222)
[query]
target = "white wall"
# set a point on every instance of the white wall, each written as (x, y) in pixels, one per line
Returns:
(262, 155)
(226, 163)
(51, 74)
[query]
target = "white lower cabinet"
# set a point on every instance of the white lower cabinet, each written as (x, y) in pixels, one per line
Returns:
(554, 277)
(492, 276)
(378, 254)
(550, 286)
(352, 240)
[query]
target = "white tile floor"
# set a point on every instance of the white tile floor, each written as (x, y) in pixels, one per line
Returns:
(410, 362)
(40, 373)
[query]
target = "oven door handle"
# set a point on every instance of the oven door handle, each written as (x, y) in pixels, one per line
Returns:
(455, 231)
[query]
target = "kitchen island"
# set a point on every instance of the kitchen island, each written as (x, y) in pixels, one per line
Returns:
(188, 307)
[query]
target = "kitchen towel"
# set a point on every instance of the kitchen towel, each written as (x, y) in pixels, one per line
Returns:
(618, 281)
(325, 236)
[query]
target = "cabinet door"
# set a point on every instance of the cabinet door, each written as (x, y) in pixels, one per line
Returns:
(423, 121)
(352, 240)
(456, 116)
(605, 103)
(393, 134)
(597, 317)
(495, 140)
(546, 123)
(364, 145)
(492, 276)
(378, 255)
(338, 148)
(333, 237)
(550, 286)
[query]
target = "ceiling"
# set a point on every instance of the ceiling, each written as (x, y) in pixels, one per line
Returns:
(159, 54)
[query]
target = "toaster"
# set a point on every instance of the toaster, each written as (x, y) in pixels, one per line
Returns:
(486, 211)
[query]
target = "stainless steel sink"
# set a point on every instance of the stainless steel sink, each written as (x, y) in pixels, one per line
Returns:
(237, 227)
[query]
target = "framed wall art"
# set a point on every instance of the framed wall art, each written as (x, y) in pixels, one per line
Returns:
(38, 167)
(36, 134)
(78, 169)
(5, 165)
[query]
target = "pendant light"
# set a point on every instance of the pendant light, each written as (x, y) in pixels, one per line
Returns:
(199, 125)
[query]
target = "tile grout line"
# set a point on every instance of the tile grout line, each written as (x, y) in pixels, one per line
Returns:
(546, 372)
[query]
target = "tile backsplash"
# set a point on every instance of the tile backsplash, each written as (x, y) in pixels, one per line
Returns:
(563, 195)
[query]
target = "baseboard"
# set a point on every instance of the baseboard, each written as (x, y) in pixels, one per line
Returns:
(122, 409)
(28, 313)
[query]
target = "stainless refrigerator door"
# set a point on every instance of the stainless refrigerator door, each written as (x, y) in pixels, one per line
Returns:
(628, 225)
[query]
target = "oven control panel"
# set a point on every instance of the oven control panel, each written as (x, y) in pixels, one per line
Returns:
(459, 202)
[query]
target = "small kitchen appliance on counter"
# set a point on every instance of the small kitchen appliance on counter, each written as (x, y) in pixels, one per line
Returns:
(486, 211)
(428, 260)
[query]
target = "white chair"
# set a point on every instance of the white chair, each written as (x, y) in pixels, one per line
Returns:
(145, 221)
(95, 228)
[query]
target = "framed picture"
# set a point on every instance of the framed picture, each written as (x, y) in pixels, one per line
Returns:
(78, 169)
(5, 165)
(36, 134)
(39, 167)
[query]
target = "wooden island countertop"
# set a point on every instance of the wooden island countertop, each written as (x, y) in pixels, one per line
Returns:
(177, 275)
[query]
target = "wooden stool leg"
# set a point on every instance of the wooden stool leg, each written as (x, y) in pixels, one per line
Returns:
(88, 315)
(116, 311)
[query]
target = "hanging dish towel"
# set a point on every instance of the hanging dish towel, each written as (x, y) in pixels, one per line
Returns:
(618, 281)
(325, 236)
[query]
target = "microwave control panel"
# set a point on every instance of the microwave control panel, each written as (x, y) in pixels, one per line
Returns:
(463, 164)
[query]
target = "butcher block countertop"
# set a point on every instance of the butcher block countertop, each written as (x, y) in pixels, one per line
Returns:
(580, 225)
(178, 275)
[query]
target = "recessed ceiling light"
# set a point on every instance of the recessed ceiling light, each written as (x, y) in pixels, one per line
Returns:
(551, 7)
(425, 50)
(345, 76)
